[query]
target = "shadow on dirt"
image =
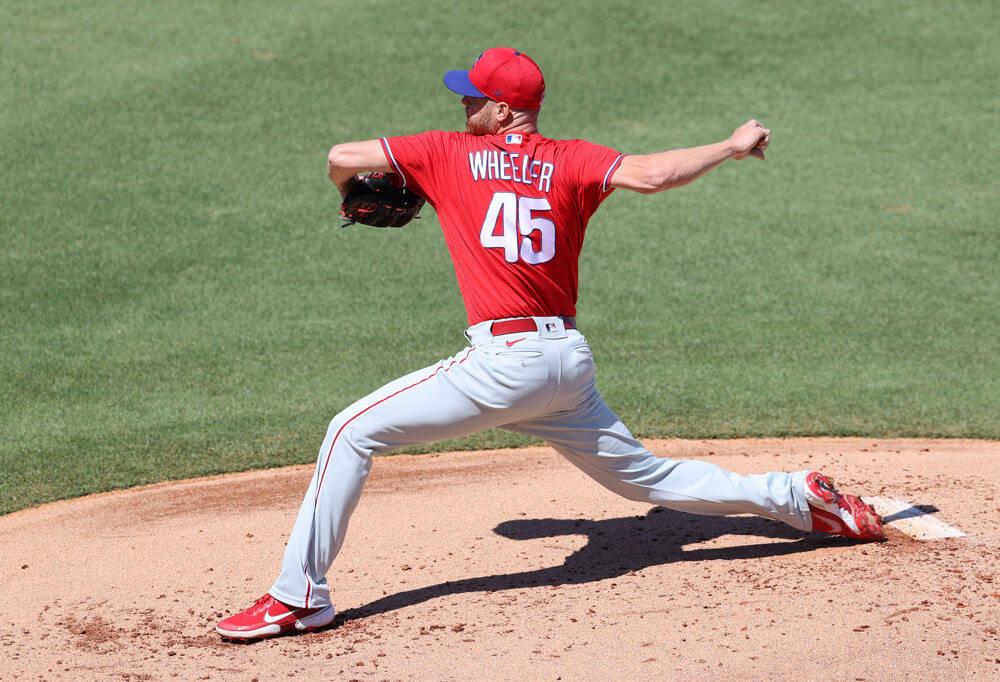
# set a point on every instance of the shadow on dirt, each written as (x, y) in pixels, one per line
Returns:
(617, 547)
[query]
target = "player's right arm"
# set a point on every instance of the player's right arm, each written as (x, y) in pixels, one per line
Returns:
(350, 158)
(651, 173)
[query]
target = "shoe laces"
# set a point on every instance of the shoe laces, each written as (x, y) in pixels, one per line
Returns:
(264, 602)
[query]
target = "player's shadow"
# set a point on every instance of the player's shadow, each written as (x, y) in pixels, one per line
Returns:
(617, 547)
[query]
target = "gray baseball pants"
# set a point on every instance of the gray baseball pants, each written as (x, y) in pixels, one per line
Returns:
(540, 383)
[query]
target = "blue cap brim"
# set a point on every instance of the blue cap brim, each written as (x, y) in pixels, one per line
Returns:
(458, 81)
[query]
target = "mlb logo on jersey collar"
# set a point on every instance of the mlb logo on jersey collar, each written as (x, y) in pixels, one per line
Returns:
(514, 138)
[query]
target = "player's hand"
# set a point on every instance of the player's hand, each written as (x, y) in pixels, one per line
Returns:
(750, 139)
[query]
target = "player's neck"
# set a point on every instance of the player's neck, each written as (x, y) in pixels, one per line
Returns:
(522, 127)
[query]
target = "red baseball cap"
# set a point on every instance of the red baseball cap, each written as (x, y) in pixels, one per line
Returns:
(503, 75)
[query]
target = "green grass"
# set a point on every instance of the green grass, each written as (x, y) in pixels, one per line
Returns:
(176, 299)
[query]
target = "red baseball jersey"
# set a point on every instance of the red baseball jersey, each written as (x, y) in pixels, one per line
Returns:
(513, 208)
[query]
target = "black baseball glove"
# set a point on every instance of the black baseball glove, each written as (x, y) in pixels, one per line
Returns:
(380, 200)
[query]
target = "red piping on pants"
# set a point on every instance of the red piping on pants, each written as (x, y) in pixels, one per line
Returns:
(305, 568)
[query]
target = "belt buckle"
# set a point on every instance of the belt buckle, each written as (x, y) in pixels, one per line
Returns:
(551, 327)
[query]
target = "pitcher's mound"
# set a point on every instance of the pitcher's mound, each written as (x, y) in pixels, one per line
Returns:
(514, 565)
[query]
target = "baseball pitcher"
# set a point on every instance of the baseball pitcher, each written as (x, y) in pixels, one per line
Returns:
(513, 206)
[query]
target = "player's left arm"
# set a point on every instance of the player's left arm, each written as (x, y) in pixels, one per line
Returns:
(350, 158)
(651, 173)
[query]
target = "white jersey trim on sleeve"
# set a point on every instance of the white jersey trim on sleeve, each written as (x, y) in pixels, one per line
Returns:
(392, 159)
(607, 176)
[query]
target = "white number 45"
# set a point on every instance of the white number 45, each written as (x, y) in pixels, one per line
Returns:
(515, 214)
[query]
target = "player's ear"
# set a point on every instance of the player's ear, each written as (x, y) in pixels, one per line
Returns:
(502, 112)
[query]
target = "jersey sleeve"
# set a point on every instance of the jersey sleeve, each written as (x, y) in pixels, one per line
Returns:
(418, 159)
(593, 166)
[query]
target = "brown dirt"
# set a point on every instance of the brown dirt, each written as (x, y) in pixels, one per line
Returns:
(513, 565)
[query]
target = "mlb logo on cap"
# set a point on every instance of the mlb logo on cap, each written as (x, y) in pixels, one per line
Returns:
(513, 139)
(550, 327)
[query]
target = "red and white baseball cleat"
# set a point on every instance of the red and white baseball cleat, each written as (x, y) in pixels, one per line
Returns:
(845, 515)
(269, 617)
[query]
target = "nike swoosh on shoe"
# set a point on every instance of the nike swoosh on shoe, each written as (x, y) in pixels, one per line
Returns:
(268, 618)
